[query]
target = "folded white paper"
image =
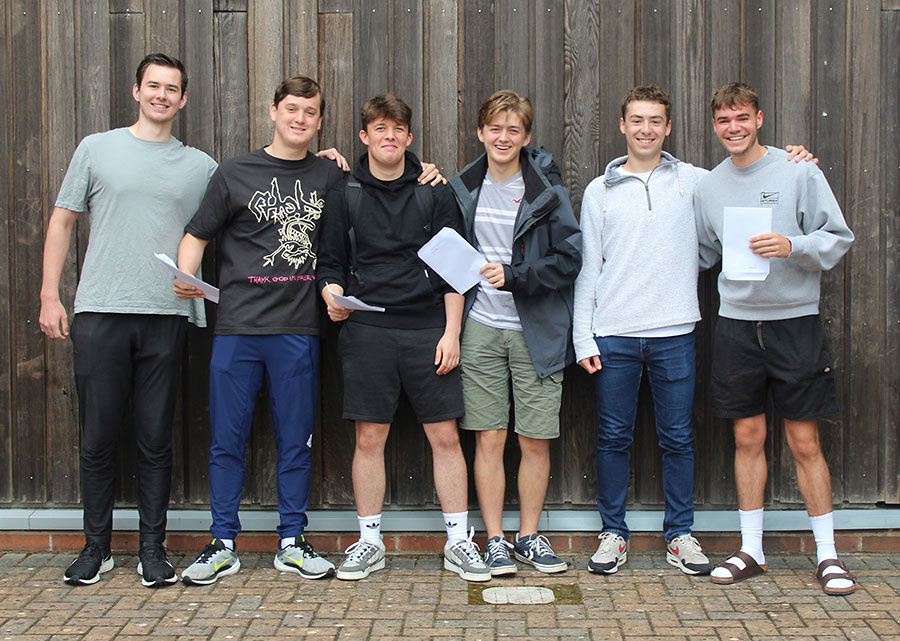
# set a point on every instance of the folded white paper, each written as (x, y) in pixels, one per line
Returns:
(352, 302)
(210, 293)
(454, 259)
(739, 225)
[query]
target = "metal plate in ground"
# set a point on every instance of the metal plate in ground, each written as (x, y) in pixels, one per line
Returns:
(523, 594)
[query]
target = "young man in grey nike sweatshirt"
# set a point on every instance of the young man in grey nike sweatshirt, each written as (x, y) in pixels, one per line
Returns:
(769, 337)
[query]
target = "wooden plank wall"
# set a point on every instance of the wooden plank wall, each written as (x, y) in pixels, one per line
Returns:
(827, 73)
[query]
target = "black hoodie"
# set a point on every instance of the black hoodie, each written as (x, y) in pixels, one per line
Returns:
(390, 227)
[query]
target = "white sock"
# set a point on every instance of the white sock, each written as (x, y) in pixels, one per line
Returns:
(229, 543)
(823, 533)
(751, 542)
(370, 528)
(456, 524)
(288, 540)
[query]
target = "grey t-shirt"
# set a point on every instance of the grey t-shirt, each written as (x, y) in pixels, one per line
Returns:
(495, 220)
(138, 195)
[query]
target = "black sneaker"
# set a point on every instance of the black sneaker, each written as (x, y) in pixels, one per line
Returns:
(93, 561)
(154, 567)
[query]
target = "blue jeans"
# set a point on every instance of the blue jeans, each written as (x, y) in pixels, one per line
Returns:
(670, 363)
(290, 364)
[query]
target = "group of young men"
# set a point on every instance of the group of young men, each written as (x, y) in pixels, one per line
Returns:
(292, 227)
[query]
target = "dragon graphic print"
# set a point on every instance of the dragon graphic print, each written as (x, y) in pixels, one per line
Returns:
(295, 216)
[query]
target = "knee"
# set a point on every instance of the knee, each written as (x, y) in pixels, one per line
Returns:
(490, 443)
(614, 440)
(805, 449)
(534, 448)
(445, 440)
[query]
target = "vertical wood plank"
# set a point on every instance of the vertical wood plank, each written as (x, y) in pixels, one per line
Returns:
(793, 105)
(655, 43)
(302, 46)
(372, 41)
(7, 492)
(723, 57)
(759, 46)
(92, 82)
(829, 121)
(336, 74)
(406, 63)
(547, 93)
(715, 477)
(617, 19)
(26, 107)
(582, 83)
(265, 35)
(440, 143)
(476, 73)
(890, 180)
(513, 54)
(410, 455)
(865, 261)
(127, 49)
(62, 406)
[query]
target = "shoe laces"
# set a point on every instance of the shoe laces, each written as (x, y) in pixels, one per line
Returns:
(608, 541)
(540, 545)
(207, 553)
(357, 551)
(497, 549)
(468, 547)
(306, 548)
(153, 553)
(92, 551)
(689, 541)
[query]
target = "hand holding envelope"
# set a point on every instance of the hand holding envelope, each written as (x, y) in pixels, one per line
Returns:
(454, 259)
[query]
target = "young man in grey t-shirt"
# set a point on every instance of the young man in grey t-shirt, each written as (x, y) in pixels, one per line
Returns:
(139, 186)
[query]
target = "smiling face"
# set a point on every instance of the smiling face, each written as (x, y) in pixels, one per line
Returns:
(387, 140)
(159, 95)
(645, 127)
(737, 127)
(297, 119)
(503, 138)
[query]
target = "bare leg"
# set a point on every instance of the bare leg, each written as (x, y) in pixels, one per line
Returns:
(813, 477)
(490, 478)
(449, 466)
(750, 469)
(368, 467)
(534, 475)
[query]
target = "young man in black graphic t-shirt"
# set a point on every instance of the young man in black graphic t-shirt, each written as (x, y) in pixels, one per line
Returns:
(266, 205)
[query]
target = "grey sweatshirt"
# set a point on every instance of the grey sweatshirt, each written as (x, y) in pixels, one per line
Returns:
(803, 209)
(639, 240)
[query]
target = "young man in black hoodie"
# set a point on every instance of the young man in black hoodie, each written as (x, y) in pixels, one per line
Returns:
(373, 224)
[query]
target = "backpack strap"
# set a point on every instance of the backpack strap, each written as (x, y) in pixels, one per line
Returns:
(354, 193)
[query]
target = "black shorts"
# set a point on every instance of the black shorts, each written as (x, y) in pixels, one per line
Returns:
(379, 362)
(787, 357)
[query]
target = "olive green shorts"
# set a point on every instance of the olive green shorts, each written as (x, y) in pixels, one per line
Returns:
(490, 361)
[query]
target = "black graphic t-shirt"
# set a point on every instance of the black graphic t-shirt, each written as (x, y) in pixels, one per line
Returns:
(268, 213)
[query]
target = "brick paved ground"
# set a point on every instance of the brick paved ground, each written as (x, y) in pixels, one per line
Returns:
(416, 599)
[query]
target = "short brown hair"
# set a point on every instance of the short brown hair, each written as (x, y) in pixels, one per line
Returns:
(299, 86)
(385, 105)
(732, 94)
(161, 60)
(648, 93)
(506, 100)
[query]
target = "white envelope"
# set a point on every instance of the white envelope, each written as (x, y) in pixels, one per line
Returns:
(739, 225)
